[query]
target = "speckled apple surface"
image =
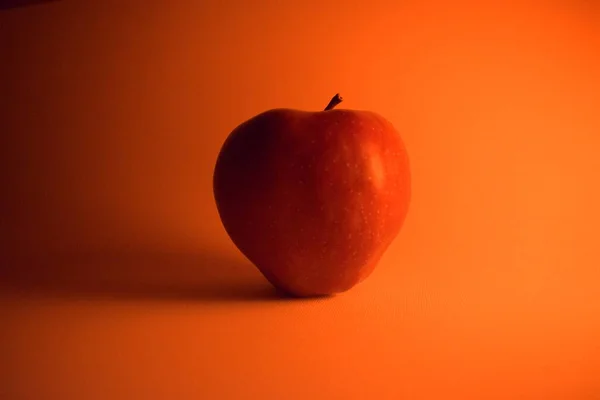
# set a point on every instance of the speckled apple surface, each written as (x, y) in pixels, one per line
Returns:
(119, 281)
(313, 199)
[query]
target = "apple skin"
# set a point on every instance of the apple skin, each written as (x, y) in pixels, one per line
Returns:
(313, 198)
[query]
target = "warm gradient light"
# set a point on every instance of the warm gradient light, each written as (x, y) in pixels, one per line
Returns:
(119, 281)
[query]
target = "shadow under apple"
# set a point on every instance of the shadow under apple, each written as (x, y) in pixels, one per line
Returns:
(205, 276)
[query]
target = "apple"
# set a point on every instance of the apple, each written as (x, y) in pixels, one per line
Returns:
(313, 198)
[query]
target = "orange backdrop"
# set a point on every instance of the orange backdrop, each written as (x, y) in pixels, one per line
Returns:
(120, 282)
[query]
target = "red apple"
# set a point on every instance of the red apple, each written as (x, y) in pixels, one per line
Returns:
(313, 198)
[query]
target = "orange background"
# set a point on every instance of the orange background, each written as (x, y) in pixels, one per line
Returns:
(120, 282)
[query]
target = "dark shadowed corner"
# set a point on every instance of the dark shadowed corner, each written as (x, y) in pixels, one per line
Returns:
(9, 4)
(142, 274)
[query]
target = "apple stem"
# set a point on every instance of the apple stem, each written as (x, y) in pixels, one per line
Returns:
(337, 99)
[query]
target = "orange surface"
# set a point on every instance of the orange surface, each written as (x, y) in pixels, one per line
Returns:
(112, 116)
